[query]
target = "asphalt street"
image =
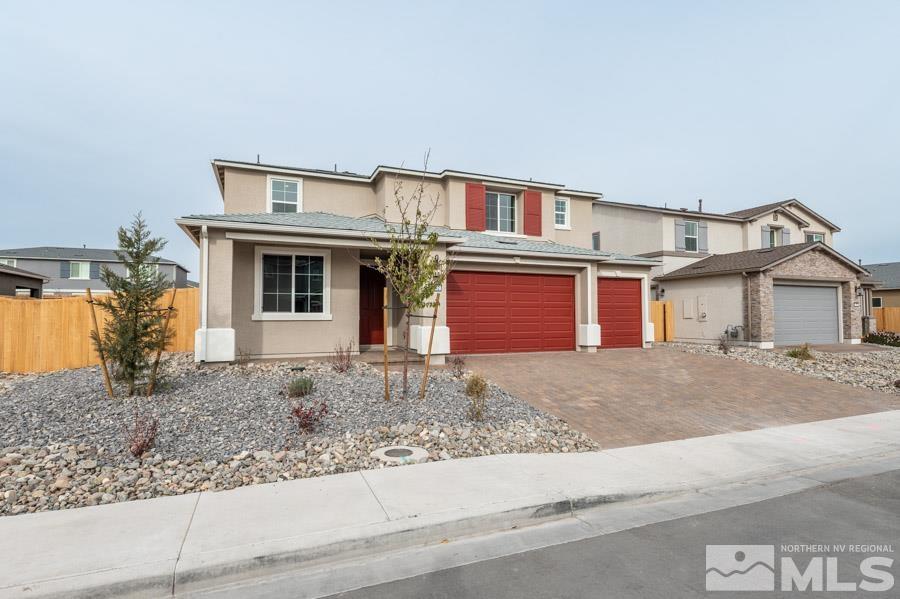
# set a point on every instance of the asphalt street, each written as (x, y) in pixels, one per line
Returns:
(669, 559)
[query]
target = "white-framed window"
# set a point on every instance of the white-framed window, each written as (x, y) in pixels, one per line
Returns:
(79, 270)
(8, 261)
(876, 302)
(691, 235)
(815, 237)
(595, 240)
(500, 212)
(773, 235)
(292, 284)
(284, 194)
(561, 213)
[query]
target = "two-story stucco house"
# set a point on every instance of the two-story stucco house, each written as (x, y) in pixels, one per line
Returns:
(285, 267)
(69, 271)
(765, 276)
(679, 237)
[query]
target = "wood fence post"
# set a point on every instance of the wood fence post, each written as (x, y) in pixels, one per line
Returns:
(100, 352)
(162, 343)
(437, 303)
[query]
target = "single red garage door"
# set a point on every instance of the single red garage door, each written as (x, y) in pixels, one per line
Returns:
(619, 312)
(492, 312)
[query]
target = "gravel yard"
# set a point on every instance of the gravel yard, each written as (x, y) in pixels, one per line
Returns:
(62, 442)
(878, 370)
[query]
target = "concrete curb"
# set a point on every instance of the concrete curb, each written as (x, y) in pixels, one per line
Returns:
(193, 574)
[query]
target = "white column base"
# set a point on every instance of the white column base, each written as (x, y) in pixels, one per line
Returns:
(649, 332)
(418, 340)
(855, 341)
(761, 344)
(214, 345)
(588, 335)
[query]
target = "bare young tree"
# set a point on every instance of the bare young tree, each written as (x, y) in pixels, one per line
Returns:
(412, 267)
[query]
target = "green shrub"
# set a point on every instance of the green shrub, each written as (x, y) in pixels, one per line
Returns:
(883, 338)
(300, 387)
(476, 389)
(801, 353)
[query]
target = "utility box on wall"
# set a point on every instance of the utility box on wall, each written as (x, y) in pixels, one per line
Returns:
(701, 308)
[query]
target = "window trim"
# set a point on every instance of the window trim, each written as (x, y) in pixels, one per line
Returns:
(515, 207)
(298, 180)
(774, 236)
(258, 314)
(87, 266)
(695, 236)
(808, 234)
(880, 301)
(8, 262)
(567, 226)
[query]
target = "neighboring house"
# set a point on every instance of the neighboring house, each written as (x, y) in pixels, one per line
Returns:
(20, 283)
(284, 268)
(886, 293)
(679, 237)
(784, 295)
(71, 270)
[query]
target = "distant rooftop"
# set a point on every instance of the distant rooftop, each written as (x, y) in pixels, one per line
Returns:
(886, 272)
(47, 252)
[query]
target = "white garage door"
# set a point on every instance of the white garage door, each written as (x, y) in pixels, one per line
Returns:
(805, 314)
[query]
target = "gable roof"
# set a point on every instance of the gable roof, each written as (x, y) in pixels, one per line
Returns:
(368, 226)
(64, 253)
(13, 270)
(746, 215)
(752, 261)
(888, 273)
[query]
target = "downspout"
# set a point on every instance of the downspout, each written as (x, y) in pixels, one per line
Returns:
(204, 289)
(749, 311)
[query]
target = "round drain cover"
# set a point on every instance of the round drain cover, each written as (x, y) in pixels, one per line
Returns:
(401, 454)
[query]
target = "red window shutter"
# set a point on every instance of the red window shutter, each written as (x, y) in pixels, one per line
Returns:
(475, 207)
(532, 213)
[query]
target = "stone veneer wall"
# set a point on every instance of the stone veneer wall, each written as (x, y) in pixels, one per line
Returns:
(815, 264)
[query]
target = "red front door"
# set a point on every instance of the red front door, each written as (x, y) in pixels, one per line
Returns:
(371, 311)
(619, 312)
(496, 312)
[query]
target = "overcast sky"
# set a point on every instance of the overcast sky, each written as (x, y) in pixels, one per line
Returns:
(107, 109)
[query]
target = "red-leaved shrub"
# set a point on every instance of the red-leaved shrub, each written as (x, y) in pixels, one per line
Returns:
(307, 417)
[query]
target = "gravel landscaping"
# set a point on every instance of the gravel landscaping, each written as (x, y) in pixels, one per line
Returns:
(63, 443)
(878, 370)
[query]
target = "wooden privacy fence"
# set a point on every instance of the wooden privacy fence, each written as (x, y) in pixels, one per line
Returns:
(42, 335)
(662, 314)
(887, 319)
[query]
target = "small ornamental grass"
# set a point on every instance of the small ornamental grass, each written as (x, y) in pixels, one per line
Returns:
(476, 389)
(341, 357)
(300, 387)
(458, 366)
(800, 353)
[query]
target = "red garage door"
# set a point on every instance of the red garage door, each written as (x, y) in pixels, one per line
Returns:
(491, 312)
(619, 312)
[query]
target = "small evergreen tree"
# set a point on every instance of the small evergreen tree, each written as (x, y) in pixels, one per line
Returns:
(134, 328)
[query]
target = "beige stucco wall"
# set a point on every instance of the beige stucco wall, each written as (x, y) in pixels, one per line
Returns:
(245, 192)
(723, 296)
(753, 229)
(626, 230)
(295, 337)
(815, 225)
(580, 219)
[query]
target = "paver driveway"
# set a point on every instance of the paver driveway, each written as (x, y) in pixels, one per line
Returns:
(630, 397)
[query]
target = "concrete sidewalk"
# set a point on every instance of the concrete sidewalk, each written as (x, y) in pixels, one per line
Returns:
(186, 543)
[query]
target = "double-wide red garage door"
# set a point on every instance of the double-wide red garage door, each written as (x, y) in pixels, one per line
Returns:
(619, 312)
(492, 312)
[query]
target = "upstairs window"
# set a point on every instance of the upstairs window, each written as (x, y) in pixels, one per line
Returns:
(691, 235)
(815, 237)
(561, 213)
(876, 302)
(79, 270)
(773, 237)
(8, 261)
(595, 240)
(285, 195)
(500, 213)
